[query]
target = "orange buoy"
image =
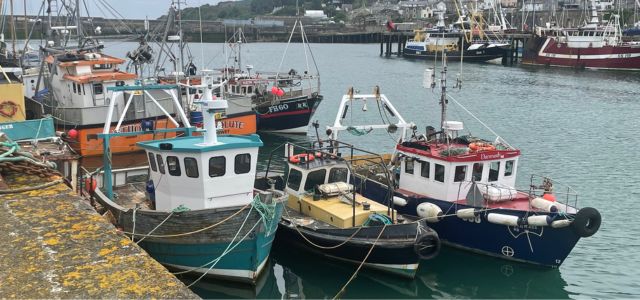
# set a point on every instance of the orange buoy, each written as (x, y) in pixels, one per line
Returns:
(304, 157)
(90, 184)
(549, 197)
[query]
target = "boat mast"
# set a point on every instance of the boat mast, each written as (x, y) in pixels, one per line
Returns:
(180, 44)
(13, 29)
(443, 89)
(78, 23)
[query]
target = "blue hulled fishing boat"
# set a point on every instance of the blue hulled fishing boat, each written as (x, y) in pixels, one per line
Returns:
(464, 186)
(197, 211)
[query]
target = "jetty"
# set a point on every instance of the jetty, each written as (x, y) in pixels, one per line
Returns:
(55, 245)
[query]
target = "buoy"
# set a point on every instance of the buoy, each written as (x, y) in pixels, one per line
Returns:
(502, 219)
(397, 201)
(431, 212)
(543, 220)
(73, 134)
(544, 204)
(549, 196)
(466, 213)
(303, 157)
(560, 223)
(90, 184)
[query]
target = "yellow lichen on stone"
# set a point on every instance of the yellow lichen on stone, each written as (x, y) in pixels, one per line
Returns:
(52, 241)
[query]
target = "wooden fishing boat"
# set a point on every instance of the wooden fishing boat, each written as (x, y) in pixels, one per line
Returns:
(325, 215)
(196, 209)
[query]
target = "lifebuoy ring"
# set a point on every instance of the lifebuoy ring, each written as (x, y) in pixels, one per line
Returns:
(587, 222)
(8, 108)
(304, 157)
(427, 245)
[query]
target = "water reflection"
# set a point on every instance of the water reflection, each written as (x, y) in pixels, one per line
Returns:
(294, 274)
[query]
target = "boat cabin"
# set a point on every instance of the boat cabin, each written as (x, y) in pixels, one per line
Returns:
(319, 188)
(445, 169)
(200, 172)
(84, 77)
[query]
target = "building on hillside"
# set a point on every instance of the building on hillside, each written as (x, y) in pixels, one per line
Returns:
(414, 9)
(315, 14)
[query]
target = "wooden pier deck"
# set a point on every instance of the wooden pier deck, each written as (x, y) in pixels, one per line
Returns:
(54, 245)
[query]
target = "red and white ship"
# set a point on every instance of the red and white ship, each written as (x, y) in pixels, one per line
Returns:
(593, 46)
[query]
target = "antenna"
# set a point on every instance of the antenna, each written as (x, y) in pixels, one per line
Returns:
(201, 45)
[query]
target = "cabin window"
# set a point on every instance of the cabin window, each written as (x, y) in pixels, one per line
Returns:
(83, 89)
(424, 169)
(98, 89)
(243, 163)
(152, 163)
(120, 83)
(173, 164)
(217, 166)
(249, 90)
(160, 163)
(191, 167)
(295, 177)
(439, 170)
(508, 167)
(408, 166)
(315, 178)
(494, 171)
(74, 88)
(477, 171)
(460, 174)
(338, 175)
(244, 90)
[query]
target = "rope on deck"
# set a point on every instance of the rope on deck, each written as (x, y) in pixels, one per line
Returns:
(339, 294)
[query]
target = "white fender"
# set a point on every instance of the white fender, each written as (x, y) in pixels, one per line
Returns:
(544, 204)
(466, 213)
(502, 219)
(397, 201)
(560, 223)
(543, 220)
(431, 212)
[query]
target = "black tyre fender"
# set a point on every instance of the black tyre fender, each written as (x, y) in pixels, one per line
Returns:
(427, 245)
(587, 222)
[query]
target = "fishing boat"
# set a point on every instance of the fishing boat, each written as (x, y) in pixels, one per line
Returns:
(464, 186)
(324, 214)
(592, 46)
(197, 211)
(71, 86)
(283, 102)
(460, 42)
(34, 136)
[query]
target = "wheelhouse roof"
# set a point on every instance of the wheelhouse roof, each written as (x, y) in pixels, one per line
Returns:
(194, 143)
(435, 151)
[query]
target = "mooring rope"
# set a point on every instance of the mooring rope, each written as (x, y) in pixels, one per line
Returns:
(191, 232)
(226, 250)
(361, 264)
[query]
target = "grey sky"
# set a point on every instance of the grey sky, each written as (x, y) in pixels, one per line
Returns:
(130, 9)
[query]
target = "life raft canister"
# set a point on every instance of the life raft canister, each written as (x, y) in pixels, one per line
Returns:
(303, 157)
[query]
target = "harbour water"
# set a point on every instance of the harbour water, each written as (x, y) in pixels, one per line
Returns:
(578, 127)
